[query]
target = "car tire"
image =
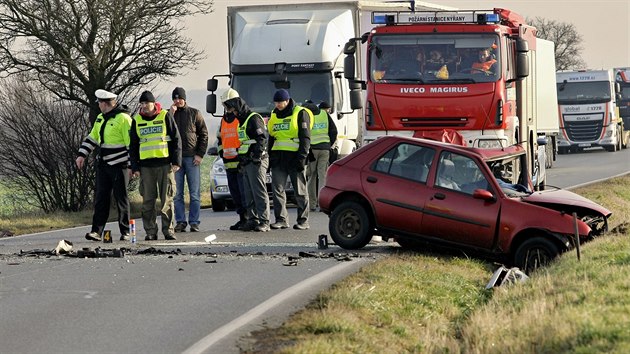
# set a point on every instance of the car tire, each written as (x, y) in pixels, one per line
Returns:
(349, 226)
(535, 253)
(217, 205)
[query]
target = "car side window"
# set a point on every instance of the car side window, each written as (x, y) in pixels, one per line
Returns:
(460, 173)
(407, 161)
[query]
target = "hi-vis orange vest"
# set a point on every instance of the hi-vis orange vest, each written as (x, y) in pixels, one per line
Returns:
(229, 143)
(485, 66)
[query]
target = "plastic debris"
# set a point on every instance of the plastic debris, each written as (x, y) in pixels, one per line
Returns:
(504, 276)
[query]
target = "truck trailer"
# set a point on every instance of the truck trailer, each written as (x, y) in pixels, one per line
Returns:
(298, 47)
(588, 113)
(425, 80)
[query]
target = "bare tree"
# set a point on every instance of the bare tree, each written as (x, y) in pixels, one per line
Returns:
(567, 42)
(77, 46)
(39, 137)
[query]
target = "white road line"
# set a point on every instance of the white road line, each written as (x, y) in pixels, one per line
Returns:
(204, 344)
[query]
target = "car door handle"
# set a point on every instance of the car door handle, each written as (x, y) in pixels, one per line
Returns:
(439, 196)
(372, 179)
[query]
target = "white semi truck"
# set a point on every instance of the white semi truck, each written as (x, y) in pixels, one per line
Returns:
(588, 114)
(299, 47)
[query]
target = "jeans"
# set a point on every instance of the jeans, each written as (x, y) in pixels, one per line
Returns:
(193, 179)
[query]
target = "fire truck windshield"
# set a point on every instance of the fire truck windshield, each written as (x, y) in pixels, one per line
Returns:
(430, 58)
(257, 89)
(583, 92)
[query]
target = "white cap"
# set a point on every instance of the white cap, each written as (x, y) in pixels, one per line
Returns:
(228, 95)
(104, 95)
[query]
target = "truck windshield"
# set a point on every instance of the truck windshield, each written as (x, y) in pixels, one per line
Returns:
(625, 92)
(583, 92)
(430, 58)
(258, 89)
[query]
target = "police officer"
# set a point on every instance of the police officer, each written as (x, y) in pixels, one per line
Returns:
(156, 154)
(228, 143)
(254, 162)
(323, 135)
(110, 133)
(289, 142)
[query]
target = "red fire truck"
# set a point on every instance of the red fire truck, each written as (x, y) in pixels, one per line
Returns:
(478, 78)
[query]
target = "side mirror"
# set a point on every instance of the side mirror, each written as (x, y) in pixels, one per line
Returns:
(522, 65)
(212, 85)
(213, 151)
(356, 99)
(211, 103)
(349, 67)
(483, 195)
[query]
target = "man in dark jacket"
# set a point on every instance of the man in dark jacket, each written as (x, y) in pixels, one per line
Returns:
(289, 142)
(254, 162)
(323, 136)
(156, 155)
(194, 137)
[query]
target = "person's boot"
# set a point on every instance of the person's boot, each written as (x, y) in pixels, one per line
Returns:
(242, 221)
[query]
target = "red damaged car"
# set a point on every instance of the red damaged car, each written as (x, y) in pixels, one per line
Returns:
(421, 191)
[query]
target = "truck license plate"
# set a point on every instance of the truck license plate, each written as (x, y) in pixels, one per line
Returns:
(584, 145)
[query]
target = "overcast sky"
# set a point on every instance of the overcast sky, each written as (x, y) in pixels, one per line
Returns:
(603, 24)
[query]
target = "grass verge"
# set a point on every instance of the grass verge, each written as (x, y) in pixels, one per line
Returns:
(436, 303)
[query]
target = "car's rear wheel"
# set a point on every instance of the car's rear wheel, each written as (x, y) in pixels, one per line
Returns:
(217, 205)
(535, 253)
(349, 225)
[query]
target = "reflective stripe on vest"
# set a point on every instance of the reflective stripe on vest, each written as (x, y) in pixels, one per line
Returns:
(246, 142)
(319, 132)
(152, 134)
(230, 141)
(285, 130)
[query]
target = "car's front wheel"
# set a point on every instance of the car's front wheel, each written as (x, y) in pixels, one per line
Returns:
(349, 225)
(535, 253)
(217, 205)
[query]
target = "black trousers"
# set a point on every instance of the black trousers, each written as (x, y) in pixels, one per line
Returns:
(235, 183)
(111, 179)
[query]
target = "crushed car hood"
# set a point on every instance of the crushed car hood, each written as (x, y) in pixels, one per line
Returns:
(566, 201)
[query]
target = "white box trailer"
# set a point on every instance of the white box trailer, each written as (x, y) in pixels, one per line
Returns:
(300, 47)
(548, 126)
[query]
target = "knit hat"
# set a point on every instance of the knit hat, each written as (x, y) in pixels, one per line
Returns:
(324, 105)
(229, 94)
(281, 95)
(147, 96)
(179, 92)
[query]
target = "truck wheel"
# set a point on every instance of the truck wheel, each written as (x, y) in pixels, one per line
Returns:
(535, 253)
(217, 205)
(562, 150)
(349, 226)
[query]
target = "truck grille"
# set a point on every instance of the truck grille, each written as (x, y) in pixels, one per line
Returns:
(429, 122)
(584, 131)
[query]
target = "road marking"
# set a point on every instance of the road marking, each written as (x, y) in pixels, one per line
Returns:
(204, 344)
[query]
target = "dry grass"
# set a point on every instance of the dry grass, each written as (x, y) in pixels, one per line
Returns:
(432, 303)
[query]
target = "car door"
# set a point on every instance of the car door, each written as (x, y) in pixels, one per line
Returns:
(451, 212)
(395, 183)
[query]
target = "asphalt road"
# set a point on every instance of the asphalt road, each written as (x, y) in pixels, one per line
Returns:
(188, 295)
(164, 296)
